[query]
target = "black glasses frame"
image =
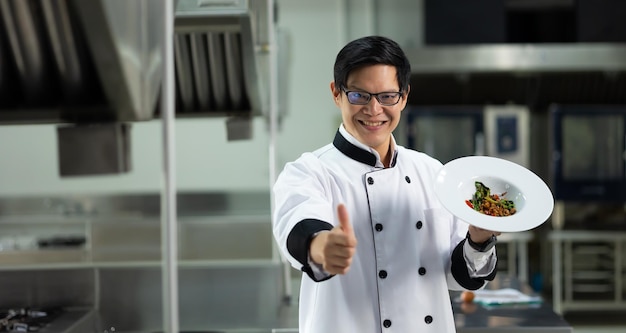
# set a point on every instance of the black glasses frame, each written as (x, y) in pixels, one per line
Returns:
(369, 96)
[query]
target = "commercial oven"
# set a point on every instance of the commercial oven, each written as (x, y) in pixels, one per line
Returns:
(588, 152)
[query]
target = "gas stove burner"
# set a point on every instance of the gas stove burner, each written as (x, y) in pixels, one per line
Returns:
(25, 319)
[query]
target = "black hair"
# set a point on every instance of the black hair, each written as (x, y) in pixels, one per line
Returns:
(372, 50)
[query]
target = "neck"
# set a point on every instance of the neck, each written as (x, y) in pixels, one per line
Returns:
(386, 154)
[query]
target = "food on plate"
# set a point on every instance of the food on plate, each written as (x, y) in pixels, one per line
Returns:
(490, 204)
(467, 296)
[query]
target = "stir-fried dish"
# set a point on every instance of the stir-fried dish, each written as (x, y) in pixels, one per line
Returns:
(490, 204)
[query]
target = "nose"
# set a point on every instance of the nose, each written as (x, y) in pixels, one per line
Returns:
(373, 107)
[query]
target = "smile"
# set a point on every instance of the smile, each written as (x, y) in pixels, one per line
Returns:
(372, 123)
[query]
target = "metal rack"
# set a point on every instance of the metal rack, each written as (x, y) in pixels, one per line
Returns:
(588, 268)
(515, 246)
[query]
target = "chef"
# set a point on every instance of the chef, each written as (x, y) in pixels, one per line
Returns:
(359, 217)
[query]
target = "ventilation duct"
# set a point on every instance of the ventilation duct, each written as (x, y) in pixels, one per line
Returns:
(216, 66)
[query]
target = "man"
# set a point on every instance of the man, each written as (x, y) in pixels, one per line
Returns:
(359, 216)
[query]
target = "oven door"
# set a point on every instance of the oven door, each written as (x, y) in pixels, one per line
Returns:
(445, 132)
(588, 152)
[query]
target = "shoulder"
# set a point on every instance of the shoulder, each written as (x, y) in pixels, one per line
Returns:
(418, 159)
(309, 162)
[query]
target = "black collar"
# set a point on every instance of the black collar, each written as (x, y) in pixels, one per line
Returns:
(353, 151)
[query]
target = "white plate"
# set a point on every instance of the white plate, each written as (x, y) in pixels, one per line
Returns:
(533, 199)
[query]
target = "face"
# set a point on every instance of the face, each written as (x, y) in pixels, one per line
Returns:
(372, 123)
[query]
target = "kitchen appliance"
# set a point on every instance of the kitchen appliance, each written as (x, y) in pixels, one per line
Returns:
(588, 152)
(449, 132)
(26, 319)
(445, 132)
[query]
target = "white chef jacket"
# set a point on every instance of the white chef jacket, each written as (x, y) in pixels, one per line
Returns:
(402, 269)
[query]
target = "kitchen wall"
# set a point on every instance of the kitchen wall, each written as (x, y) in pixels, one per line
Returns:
(205, 160)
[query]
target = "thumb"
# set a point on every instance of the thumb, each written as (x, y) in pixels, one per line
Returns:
(344, 219)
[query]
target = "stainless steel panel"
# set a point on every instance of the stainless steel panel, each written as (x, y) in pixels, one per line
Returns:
(201, 73)
(518, 58)
(26, 41)
(4, 69)
(42, 288)
(212, 239)
(235, 31)
(126, 241)
(210, 299)
(94, 149)
(507, 132)
(41, 258)
(239, 128)
(125, 41)
(234, 71)
(184, 74)
(66, 48)
(217, 69)
(141, 205)
(211, 7)
(253, 83)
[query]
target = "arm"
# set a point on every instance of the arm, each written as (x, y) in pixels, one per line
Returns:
(304, 216)
(475, 262)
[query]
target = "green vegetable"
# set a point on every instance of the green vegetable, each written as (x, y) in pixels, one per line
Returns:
(482, 192)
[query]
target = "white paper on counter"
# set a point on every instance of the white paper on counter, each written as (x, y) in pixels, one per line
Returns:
(504, 296)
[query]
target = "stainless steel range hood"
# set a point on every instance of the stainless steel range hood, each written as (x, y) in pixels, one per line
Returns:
(100, 60)
(81, 61)
(218, 48)
(536, 74)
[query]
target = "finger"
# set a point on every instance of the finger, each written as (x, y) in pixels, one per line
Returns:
(337, 269)
(344, 219)
(341, 250)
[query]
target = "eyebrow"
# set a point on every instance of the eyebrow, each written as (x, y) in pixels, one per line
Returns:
(354, 88)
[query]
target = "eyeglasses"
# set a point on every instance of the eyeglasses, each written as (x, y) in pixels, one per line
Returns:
(362, 97)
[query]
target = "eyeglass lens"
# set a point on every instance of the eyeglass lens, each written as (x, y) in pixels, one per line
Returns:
(362, 98)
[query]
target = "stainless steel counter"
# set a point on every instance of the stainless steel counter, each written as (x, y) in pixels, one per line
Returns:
(531, 318)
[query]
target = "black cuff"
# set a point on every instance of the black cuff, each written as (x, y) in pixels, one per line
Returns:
(299, 241)
(461, 274)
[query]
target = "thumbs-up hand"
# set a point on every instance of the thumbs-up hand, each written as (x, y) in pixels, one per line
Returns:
(334, 249)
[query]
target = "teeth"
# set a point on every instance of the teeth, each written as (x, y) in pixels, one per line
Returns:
(369, 123)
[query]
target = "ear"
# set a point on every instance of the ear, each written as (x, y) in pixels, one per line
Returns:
(336, 92)
(405, 97)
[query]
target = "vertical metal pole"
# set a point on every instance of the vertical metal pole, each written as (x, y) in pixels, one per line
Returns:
(556, 274)
(273, 132)
(568, 269)
(512, 257)
(617, 277)
(522, 251)
(169, 234)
